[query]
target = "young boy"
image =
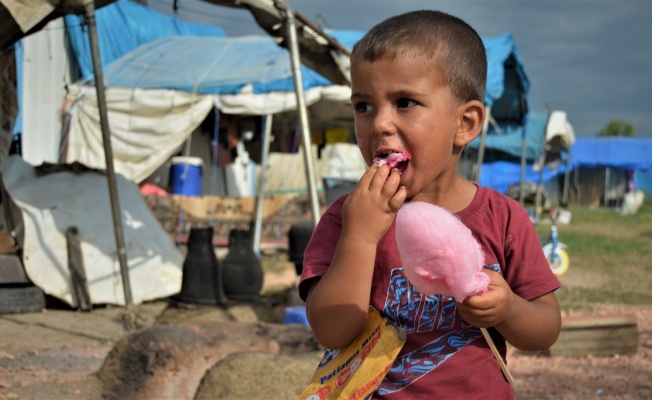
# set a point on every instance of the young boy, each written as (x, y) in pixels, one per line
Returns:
(418, 84)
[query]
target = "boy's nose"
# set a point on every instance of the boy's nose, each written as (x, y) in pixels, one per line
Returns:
(383, 123)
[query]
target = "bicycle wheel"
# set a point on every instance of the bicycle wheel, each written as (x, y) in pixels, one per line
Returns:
(561, 265)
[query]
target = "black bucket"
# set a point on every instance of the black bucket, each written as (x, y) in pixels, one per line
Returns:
(298, 238)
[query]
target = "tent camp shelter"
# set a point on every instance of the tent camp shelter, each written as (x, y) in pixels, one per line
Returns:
(40, 14)
(30, 18)
(599, 168)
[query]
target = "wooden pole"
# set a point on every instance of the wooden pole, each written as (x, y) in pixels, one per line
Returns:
(108, 156)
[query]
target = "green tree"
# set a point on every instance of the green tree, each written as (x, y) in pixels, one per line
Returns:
(618, 127)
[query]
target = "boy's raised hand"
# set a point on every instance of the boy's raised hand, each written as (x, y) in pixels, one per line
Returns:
(370, 208)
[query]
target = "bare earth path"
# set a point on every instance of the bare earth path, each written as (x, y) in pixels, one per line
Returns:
(52, 355)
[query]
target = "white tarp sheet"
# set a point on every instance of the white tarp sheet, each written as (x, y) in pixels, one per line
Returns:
(43, 57)
(148, 126)
(48, 205)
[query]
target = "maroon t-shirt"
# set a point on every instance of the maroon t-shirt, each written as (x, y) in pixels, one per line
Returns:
(444, 357)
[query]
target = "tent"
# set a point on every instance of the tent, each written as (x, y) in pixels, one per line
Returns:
(543, 132)
(29, 18)
(40, 12)
(596, 163)
(119, 32)
(613, 152)
(156, 98)
(253, 78)
(507, 82)
(325, 55)
(542, 143)
(605, 168)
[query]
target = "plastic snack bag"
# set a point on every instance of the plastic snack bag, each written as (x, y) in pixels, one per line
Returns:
(356, 371)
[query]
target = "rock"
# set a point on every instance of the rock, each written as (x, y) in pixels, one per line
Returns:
(250, 375)
(169, 361)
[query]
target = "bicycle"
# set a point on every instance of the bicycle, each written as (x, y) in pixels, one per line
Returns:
(556, 252)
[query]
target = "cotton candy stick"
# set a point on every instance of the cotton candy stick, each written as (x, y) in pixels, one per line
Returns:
(440, 256)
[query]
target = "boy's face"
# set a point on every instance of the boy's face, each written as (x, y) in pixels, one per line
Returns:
(402, 104)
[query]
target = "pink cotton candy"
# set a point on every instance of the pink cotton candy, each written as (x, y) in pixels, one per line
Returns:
(392, 159)
(438, 252)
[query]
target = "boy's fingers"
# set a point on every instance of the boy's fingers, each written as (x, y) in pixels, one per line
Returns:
(379, 178)
(365, 179)
(398, 199)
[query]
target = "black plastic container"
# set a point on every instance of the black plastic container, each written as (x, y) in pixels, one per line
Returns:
(202, 276)
(298, 238)
(242, 270)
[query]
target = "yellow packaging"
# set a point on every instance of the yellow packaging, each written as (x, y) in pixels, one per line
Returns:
(356, 371)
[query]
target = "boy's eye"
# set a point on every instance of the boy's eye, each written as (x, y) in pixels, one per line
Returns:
(361, 107)
(405, 103)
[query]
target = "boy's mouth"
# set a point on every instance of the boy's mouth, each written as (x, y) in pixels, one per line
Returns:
(394, 159)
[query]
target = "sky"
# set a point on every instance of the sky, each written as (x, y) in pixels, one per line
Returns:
(589, 58)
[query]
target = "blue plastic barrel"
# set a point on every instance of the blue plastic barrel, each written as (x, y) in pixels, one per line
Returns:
(296, 315)
(186, 176)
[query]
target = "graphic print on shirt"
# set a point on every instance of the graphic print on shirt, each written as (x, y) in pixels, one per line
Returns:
(408, 308)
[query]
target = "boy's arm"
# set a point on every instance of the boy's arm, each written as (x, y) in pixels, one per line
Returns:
(527, 325)
(337, 303)
(532, 325)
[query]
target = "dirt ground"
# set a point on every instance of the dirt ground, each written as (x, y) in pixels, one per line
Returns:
(590, 377)
(55, 354)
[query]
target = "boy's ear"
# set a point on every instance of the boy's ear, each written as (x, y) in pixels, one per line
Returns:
(471, 119)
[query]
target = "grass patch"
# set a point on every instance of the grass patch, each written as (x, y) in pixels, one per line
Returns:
(610, 258)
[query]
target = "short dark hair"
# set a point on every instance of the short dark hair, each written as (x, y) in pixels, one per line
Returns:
(451, 43)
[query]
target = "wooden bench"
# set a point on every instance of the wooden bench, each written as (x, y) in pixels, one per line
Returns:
(597, 335)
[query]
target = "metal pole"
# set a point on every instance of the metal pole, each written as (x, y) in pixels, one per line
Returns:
(288, 18)
(483, 139)
(544, 155)
(564, 198)
(267, 135)
(521, 188)
(607, 178)
(108, 152)
(524, 110)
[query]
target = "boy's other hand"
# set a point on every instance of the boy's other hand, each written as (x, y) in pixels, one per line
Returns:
(489, 308)
(370, 208)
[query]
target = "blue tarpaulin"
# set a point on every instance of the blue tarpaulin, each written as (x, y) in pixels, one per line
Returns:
(507, 82)
(500, 175)
(612, 152)
(219, 66)
(508, 139)
(586, 152)
(123, 26)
